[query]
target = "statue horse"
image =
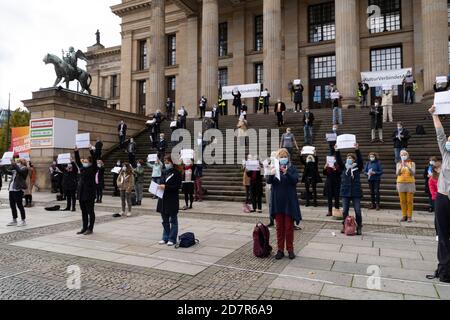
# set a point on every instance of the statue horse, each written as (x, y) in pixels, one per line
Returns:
(66, 71)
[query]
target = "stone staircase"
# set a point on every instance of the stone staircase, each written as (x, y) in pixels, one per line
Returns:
(224, 182)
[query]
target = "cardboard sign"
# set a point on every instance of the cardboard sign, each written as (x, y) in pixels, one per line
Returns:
(346, 141)
(83, 140)
(156, 190)
(6, 159)
(181, 112)
(64, 158)
(173, 124)
(331, 137)
(116, 170)
(297, 82)
(335, 95)
(187, 154)
(152, 158)
(276, 164)
(308, 150)
(441, 79)
(208, 114)
(442, 102)
(264, 93)
(252, 165)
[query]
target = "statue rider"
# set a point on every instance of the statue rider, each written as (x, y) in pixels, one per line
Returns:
(72, 59)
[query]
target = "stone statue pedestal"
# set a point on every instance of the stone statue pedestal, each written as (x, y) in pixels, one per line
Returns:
(92, 116)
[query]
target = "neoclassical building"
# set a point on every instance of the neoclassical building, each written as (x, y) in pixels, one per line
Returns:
(187, 48)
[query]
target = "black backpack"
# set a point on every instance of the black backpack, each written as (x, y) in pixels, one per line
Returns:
(187, 240)
(420, 130)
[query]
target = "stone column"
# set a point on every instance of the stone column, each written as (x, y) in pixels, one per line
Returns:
(125, 73)
(272, 48)
(347, 50)
(210, 51)
(157, 57)
(435, 43)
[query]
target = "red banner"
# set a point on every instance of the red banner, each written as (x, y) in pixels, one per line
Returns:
(20, 140)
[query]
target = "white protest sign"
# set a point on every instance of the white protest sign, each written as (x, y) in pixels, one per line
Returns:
(181, 112)
(331, 137)
(6, 159)
(442, 102)
(173, 124)
(441, 79)
(252, 165)
(264, 93)
(208, 114)
(308, 150)
(187, 154)
(297, 82)
(276, 164)
(384, 77)
(346, 141)
(83, 140)
(246, 90)
(64, 158)
(335, 95)
(330, 161)
(25, 156)
(156, 190)
(116, 170)
(387, 87)
(152, 158)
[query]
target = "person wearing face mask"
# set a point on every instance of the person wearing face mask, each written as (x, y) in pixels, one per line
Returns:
(387, 102)
(139, 181)
(288, 142)
(100, 181)
(426, 176)
(376, 121)
(115, 176)
(406, 185)
(332, 185)
(86, 190)
(55, 178)
(19, 172)
(169, 205)
(70, 184)
(188, 183)
(331, 144)
(374, 171)
(351, 190)
(31, 181)
(157, 168)
(162, 146)
(131, 150)
(125, 182)
(308, 123)
(284, 206)
(311, 177)
(256, 189)
(400, 137)
(442, 203)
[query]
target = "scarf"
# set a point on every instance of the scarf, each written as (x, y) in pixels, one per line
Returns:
(351, 168)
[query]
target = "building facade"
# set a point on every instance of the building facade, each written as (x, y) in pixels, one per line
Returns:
(186, 49)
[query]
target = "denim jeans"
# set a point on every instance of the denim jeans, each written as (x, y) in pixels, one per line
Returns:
(397, 154)
(139, 187)
(308, 133)
(337, 116)
(125, 198)
(374, 186)
(356, 206)
(170, 225)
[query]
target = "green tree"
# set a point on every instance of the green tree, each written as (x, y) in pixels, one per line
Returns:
(19, 118)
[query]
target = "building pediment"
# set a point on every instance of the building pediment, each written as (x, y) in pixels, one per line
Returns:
(130, 6)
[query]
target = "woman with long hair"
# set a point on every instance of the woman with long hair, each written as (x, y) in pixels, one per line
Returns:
(125, 182)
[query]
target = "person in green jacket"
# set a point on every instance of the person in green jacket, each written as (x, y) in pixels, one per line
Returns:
(139, 181)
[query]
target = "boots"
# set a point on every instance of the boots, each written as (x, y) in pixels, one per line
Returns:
(377, 207)
(359, 230)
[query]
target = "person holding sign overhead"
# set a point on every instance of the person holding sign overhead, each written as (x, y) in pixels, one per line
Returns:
(311, 177)
(332, 184)
(351, 190)
(237, 102)
(19, 172)
(387, 102)
(86, 190)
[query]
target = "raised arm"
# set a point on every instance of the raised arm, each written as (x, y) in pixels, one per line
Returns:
(440, 133)
(77, 158)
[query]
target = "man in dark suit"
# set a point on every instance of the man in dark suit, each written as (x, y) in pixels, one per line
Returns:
(280, 109)
(308, 122)
(98, 149)
(122, 130)
(215, 117)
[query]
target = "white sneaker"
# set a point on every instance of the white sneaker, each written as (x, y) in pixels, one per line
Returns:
(12, 224)
(23, 223)
(162, 242)
(170, 244)
(129, 214)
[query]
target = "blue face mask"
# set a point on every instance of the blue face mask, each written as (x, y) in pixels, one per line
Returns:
(447, 146)
(349, 162)
(86, 165)
(284, 161)
(169, 166)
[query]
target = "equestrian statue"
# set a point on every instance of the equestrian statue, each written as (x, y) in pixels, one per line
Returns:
(67, 68)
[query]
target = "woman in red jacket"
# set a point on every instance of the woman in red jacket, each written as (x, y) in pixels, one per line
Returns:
(433, 182)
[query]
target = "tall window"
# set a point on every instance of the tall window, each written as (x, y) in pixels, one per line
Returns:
(390, 18)
(171, 50)
(143, 55)
(321, 22)
(223, 78)
(142, 90)
(114, 87)
(171, 88)
(386, 59)
(259, 73)
(223, 39)
(259, 33)
(323, 67)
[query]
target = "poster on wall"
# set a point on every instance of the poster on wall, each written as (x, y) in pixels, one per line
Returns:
(53, 133)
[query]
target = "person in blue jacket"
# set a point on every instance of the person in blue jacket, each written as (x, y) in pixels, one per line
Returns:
(285, 207)
(351, 184)
(374, 170)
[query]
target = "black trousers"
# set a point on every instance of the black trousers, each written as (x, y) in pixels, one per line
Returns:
(332, 197)
(132, 159)
(122, 140)
(266, 109)
(280, 119)
(247, 195)
(15, 202)
(202, 112)
(298, 106)
(99, 192)
(443, 230)
(375, 191)
(88, 214)
(308, 185)
(71, 199)
(256, 194)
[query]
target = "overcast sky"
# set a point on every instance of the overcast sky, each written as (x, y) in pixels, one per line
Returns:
(29, 29)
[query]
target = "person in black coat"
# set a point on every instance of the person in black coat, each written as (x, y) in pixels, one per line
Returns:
(169, 205)
(98, 148)
(19, 172)
(280, 109)
(158, 117)
(400, 137)
(100, 181)
(237, 102)
(87, 190)
(122, 131)
(183, 116)
(202, 106)
(298, 97)
(308, 124)
(266, 102)
(376, 121)
(256, 189)
(332, 185)
(311, 177)
(115, 176)
(215, 117)
(70, 184)
(161, 147)
(131, 150)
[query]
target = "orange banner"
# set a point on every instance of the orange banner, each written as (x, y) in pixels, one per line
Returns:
(20, 140)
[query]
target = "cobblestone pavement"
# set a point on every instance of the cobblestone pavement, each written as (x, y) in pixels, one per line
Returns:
(27, 273)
